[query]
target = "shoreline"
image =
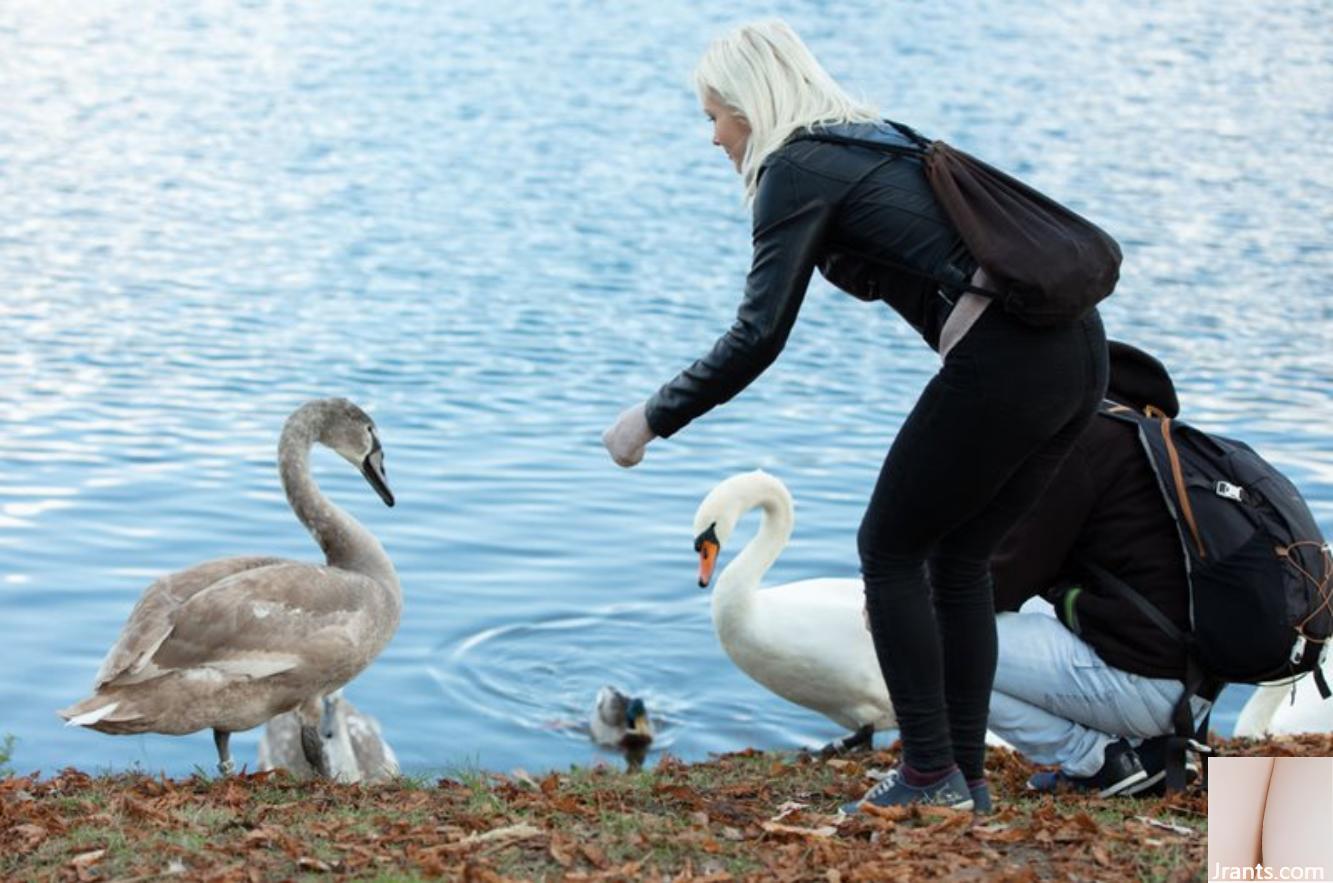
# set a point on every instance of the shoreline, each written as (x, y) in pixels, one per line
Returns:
(748, 815)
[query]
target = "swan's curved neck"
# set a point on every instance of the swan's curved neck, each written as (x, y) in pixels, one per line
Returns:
(1256, 718)
(739, 581)
(346, 544)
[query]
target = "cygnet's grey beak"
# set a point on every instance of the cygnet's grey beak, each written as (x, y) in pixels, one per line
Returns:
(326, 718)
(373, 469)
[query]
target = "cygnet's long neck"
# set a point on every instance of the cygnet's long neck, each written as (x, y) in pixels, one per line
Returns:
(346, 544)
(339, 751)
(740, 579)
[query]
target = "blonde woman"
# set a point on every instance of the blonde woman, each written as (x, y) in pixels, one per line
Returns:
(987, 432)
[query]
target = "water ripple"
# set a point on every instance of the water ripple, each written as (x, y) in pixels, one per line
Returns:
(495, 227)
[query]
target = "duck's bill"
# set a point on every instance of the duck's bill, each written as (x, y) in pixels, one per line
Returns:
(373, 469)
(641, 726)
(707, 561)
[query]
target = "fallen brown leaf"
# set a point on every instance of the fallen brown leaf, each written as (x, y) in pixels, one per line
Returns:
(777, 828)
(305, 863)
(30, 836)
(85, 859)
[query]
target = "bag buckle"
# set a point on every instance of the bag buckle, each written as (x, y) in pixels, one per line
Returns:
(1298, 650)
(1229, 491)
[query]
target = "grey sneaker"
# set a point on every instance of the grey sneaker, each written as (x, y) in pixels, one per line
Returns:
(951, 791)
(981, 804)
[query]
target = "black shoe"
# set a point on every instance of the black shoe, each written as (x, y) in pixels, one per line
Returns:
(1121, 770)
(1152, 754)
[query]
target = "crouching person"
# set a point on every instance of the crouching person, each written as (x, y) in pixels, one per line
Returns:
(1092, 691)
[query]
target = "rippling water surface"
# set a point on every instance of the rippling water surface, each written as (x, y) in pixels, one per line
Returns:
(496, 225)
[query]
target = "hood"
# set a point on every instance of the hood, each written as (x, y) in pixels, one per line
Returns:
(1138, 380)
(879, 133)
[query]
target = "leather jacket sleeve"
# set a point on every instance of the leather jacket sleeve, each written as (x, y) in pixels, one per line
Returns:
(788, 234)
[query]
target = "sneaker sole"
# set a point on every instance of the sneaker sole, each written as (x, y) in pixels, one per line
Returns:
(1191, 776)
(1121, 786)
(851, 808)
(1140, 787)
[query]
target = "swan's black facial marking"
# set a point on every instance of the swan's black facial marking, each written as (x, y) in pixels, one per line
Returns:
(372, 467)
(707, 545)
(708, 536)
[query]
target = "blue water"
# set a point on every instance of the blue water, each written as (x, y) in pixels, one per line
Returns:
(496, 225)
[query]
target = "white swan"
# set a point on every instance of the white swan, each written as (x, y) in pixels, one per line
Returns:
(805, 641)
(352, 741)
(1271, 709)
(231, 643)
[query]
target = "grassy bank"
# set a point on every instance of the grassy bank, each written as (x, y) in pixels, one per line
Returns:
(749, 815)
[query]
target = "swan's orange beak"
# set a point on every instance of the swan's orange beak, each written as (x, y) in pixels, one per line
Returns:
(707, 545)
(707, 561)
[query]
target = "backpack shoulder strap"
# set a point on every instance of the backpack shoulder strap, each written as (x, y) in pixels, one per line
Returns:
(1118, 586)
(1197, 682)
(1159, 446)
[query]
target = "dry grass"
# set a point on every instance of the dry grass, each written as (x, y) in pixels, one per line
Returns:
(751, 816)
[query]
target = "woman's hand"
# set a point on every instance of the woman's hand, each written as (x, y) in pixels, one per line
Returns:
(628, 436)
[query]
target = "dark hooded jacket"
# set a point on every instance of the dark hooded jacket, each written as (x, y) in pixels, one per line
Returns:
(866, 218)
(1104, 505)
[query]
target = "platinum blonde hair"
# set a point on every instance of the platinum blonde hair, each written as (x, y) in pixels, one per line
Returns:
(765, 74)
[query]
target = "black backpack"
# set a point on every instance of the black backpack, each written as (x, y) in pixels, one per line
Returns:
(1051, 265)
(1258, 568)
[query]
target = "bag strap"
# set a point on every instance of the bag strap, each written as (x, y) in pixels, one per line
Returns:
(1187, 737)
(917, 151)
(1142, 604)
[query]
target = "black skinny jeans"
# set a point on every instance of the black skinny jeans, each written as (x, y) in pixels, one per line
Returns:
(979, 447)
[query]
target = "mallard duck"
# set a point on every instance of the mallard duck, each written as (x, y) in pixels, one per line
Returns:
(621, 722)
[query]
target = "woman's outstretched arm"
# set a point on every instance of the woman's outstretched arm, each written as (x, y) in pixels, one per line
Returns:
(788, 232)
(1237, 793)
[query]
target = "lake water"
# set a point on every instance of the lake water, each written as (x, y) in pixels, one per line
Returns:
(495, 226)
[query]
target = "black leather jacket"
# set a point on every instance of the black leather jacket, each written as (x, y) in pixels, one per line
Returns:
(843, 209)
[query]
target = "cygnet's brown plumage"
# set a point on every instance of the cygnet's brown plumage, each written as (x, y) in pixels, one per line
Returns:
(231, 643)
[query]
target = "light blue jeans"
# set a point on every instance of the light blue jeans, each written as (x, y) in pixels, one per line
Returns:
(1057, 702)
